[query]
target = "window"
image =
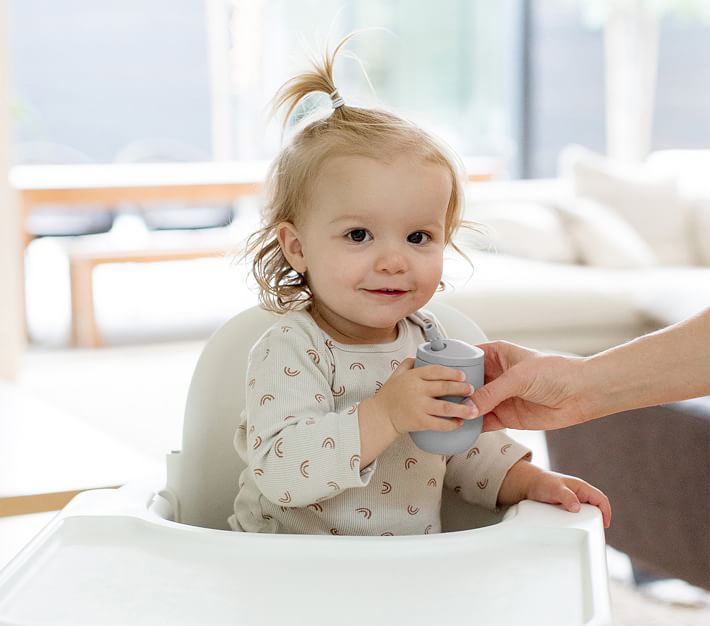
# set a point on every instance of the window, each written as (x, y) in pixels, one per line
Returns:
(682, 111)
(567, 84)
(96, 76)
(445, 65)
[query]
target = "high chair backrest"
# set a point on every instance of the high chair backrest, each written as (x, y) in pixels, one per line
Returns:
(202, 478)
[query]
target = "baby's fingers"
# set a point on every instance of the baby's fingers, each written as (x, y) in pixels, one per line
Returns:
(444, 408)
(592, 495)
(568, 499)
(443, 425)
(440, 372)
(403, 367)
(438, 388)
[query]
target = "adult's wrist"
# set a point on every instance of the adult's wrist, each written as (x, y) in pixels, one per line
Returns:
(605, 387)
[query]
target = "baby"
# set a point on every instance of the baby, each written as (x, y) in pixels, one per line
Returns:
(361, 207)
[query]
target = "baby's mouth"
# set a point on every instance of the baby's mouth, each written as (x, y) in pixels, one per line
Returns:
(386, 292)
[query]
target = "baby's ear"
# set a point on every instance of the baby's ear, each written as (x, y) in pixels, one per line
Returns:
(290, 242)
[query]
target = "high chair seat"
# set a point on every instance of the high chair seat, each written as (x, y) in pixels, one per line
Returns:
(148, 554)
(202, 477)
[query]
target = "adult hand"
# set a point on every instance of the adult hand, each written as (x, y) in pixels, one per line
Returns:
(529, 390)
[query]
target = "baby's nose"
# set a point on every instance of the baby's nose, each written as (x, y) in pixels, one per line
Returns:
(391, 260)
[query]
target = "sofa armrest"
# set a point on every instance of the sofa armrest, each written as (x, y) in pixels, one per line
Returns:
(654, 465)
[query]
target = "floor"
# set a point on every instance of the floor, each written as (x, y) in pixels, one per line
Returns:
(134, 390)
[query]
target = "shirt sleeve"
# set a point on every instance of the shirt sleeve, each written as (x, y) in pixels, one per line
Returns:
(298, 447)
(477, 474)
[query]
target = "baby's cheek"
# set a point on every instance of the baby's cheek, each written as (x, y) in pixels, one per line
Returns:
(430, 274)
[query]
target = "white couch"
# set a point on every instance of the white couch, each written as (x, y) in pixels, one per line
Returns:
(600, 255)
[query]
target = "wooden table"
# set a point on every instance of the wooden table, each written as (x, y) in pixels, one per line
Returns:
(100, 185)
(97, 186)
(115, 183)
(111, 184)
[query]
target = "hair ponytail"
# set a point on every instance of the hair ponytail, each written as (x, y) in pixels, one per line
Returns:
(318, 79)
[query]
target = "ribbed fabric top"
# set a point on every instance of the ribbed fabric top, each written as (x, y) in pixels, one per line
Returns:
(299, 436)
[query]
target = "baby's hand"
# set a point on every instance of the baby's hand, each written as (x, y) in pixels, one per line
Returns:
(568, 491)
(409, 398)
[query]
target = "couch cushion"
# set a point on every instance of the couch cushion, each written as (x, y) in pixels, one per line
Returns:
(546, 191)
(506, 293)
(691, 167)
(525, 229)
(701, 227)
(521, 300)
(650, 202)
(602, 237)
(667, 295)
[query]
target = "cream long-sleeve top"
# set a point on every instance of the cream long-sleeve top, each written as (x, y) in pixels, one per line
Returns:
(299, 436)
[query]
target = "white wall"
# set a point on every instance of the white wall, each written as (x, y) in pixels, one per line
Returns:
(11, 337)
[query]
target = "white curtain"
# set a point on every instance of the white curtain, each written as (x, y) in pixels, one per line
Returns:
(11, 334)
(631, 49)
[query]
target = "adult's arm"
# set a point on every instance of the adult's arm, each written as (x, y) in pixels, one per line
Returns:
(526, 389)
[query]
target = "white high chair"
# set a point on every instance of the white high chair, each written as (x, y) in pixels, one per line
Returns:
(144, 554)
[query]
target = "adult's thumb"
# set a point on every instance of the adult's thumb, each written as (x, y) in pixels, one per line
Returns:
(489, 396)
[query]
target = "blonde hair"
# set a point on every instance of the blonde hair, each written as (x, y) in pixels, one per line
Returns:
(347, 131)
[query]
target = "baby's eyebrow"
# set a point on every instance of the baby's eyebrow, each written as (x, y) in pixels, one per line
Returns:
(363, 220)
(349, 218)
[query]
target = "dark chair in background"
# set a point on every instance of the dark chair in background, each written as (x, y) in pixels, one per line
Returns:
(654, 464)
(174, 215)
(60, 221)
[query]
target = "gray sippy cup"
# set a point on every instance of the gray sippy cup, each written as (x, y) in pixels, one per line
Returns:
(462, 356)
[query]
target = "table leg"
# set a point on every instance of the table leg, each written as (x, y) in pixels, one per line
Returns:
(25, 239)
(85, 332)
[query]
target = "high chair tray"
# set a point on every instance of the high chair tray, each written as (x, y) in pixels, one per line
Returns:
(540, 565)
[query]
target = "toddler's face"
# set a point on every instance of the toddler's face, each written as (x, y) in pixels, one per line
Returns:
(371, 243)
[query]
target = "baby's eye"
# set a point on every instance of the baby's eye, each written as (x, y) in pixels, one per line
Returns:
(358, 235)
(419, 237)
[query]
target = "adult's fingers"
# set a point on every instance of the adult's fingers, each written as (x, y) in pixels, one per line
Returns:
(491, 423)
(489, 396)
(502, 355)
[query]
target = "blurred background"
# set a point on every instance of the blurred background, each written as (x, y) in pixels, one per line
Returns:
(513, 80)
(508, 83)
